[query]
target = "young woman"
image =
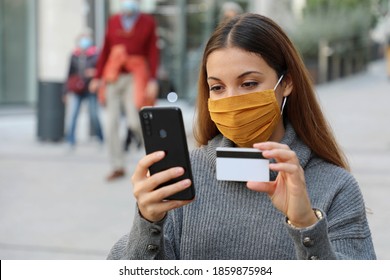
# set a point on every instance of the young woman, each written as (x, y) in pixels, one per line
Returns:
(254, 91)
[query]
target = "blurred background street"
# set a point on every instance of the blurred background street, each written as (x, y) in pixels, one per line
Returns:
(55, 203)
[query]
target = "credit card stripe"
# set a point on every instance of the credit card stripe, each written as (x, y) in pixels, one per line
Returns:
(239, 154)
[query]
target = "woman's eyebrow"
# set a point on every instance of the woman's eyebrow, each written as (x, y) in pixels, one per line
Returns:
(213, 78)
(248, 73)
(240, 76)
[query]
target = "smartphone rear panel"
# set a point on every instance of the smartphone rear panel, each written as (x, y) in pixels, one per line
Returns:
(163, 130)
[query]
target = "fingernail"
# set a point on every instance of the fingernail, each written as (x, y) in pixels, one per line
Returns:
(186, 182)
(179, 170)
(160, 154)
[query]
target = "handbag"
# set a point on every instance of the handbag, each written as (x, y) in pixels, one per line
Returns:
(76, 84)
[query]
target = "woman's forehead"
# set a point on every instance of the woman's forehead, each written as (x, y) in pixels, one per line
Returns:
(235, 60)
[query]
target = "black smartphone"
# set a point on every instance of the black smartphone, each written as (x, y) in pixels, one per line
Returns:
(163, 130)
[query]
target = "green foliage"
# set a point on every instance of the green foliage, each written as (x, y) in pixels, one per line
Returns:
(331, 5)
(332, 20)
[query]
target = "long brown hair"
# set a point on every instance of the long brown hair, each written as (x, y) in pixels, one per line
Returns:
(260, 35)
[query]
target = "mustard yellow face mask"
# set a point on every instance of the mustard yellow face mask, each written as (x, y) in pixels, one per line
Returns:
(248, 118)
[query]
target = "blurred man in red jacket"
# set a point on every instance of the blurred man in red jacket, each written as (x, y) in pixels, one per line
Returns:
(130, 81)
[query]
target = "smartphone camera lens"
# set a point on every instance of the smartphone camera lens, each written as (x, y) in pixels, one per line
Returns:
(146, 120)
(163, 133)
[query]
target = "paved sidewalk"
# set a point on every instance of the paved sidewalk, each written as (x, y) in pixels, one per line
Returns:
(55, 203)
(358, 110)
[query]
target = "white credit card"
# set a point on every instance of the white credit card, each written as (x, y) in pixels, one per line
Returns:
(241, 164)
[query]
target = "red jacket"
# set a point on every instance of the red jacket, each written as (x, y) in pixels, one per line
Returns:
(141, 40)
(135, 64)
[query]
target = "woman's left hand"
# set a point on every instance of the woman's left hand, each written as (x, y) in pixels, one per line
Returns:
(288, 192)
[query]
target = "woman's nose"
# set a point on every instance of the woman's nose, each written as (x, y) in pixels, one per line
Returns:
(230, 92)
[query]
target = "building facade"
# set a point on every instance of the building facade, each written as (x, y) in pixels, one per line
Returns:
(37, 37)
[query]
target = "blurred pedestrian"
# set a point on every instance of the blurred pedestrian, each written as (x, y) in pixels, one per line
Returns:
(229, 10)
(82, 68)
(127, 67)
(253, 92)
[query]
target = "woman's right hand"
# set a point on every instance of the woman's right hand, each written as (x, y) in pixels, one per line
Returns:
(152, 202)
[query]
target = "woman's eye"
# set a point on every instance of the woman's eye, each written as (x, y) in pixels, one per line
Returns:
(250, 84)
(215, 88)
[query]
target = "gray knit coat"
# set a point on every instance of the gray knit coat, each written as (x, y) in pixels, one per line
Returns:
(228, 221)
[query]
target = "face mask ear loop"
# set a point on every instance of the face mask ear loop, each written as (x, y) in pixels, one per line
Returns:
(283, 104)
(285, 98)
(280, 79)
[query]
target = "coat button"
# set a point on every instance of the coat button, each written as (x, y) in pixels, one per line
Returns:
(152, 248)
(155, 231)
(308, 242)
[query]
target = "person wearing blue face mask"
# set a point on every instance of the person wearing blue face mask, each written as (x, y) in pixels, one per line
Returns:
(130, 7)
(81, 71)
(85, 43)
(130, 44)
